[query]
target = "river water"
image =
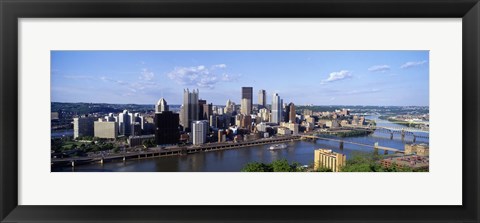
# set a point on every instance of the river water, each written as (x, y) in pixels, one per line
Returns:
(235, 159)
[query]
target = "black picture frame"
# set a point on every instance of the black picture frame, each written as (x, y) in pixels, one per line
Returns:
(11, 11)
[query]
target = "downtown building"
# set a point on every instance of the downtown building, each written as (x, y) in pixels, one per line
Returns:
(207, 111)
(326, 158)
(292, 115)
(247, 105)
(161, 106)
(83, 126)
(190, 109)
(166, 126)
(125, 123)
(137, 124)
(199, 132)
(262, 99)
(276, 114)
(230, 107)
(105, 128)
(201, 104)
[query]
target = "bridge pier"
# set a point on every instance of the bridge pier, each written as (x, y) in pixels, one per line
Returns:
(375, 151)
(341, 145)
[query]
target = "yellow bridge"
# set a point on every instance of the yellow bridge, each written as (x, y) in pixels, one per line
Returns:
(375, 146)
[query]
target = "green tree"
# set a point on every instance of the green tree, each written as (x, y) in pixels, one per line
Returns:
(281, 166)
(362, 162)
(108, 146)
(255, 167)
(323, 169)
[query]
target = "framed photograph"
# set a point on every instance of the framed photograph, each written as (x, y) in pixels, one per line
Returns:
(205, 111)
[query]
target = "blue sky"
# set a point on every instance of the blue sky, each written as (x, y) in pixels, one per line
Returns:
(302, 77)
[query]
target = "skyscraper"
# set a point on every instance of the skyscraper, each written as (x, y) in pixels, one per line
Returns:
(105, 129)
(230, 107)
(264, 114)
(201, 103)
(292, 114)
(83, 126)
(166, 128)
(137, 118)
(125, 123)
(190, 108)
(247, 93)
(262, 99)
(286, 115)
(245, 106)
(199, 130)
(276, 109)
(161, 106)
(207, 111)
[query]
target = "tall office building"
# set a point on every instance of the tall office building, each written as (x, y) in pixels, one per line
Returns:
(105, 129)
(83, 126)
(230, 107)
(125, 123)
(219, 121)
(264, 114)
(292, 115)
(276, 114)
(166, 128)
(262, 99)
(286, 114)
(207, 111)
(245, 106)
(201, 103)
(247, 93)
(161, 106)
(137, 118)
(328, 159)
(199, 130)
(190, 108)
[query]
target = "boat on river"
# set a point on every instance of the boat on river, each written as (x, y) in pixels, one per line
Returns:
(278, 146)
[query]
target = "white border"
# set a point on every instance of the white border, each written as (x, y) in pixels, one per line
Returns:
(441, 186)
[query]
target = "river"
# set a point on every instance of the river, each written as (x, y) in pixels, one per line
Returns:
(235, 159)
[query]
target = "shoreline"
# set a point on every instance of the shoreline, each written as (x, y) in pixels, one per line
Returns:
(167, 152)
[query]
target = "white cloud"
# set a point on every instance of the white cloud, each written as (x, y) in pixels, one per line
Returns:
(336, 76)
(219, 66)
(413, 64)
(365, 91)
(379, 68)
(77, 77)
(107, 79)
(146, 75)
(200, 76)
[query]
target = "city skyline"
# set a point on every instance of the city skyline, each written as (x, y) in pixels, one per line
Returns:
(382, 78)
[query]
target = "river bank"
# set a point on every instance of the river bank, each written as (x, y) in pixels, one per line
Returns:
(158, 152)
